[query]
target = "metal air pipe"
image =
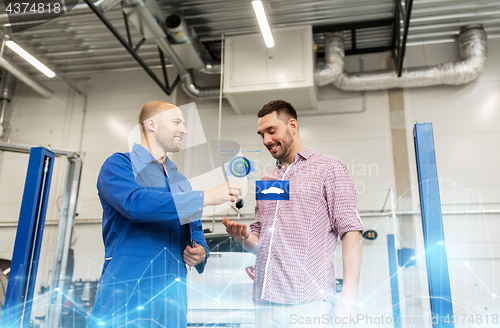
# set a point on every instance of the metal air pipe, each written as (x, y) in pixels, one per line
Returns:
(6, 90)
(25, 77)
(150, 27)
(179, 31)
(473, 49)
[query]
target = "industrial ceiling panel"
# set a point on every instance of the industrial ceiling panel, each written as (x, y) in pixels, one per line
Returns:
(79, 44)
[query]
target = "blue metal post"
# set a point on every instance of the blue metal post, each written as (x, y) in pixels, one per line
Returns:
(393, 270)
(21, 286)
(432, 224)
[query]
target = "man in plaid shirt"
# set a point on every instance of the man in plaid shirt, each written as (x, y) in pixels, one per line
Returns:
(295, 240)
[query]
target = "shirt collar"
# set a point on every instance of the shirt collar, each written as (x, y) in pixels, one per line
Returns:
(145, 156)
(305, 154)
(170, 165)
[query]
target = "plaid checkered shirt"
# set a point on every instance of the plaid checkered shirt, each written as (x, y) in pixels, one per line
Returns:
(297, 238)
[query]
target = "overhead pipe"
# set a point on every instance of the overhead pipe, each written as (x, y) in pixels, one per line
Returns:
(186, 78)
(104, 5)
(6, 91)
(179, 31)
(128, 47)
(150, 27)
(211, 68)
(473, 49)
(25, 77)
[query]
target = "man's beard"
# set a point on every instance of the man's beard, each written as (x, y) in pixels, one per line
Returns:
(169, 144)
(284, 145)
(174, 146)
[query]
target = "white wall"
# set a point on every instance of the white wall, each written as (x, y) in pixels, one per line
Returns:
(467, 133)
(113, 104)
(355, 127)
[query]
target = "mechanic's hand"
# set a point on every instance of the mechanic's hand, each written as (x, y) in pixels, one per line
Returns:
(236, 229)
(224, 192)
(194, 255)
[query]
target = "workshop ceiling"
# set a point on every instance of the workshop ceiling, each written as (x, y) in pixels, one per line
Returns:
(79, 44)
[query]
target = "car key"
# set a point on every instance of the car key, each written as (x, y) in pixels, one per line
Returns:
(239, 205)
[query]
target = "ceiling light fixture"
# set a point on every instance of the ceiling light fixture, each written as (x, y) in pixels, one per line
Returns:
(264, 25)
(29, 58)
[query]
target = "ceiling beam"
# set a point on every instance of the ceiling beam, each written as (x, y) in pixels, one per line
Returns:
(399, 42)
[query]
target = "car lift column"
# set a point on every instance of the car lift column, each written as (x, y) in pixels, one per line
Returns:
(63, 244)
(21, 286)
(393, 270)
(432, 225)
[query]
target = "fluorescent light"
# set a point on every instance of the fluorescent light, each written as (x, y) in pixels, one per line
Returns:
(264, 25)
(29, 58)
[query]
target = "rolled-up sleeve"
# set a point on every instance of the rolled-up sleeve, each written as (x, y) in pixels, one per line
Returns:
(341, 199)
(256, 225)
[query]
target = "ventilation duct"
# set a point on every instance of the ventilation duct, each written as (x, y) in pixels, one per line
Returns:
(210, 68)
(104, 5)
(6, 91)
(473, 49)
(186, 44)
(177, 29)
(186, 78)
(25, 77)
(150, 22)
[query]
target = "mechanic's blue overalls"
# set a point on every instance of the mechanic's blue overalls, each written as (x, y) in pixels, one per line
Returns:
(143, 282)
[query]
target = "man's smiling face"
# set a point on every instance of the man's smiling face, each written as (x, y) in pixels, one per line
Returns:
(276, 135)
(171, 129)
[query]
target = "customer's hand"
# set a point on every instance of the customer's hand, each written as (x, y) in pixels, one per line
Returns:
(194, 255)
(346, 312)
(224, 192)
(236, 229)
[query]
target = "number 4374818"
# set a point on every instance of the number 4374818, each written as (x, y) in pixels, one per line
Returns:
(478, 319)
(34, 8)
